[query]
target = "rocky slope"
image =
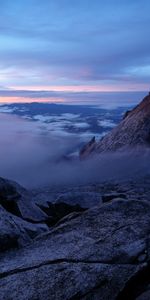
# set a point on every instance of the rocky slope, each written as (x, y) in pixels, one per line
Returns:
(101, 254)
(133, 131)
(90, 252)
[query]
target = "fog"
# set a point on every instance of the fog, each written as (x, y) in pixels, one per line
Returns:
(33, 157)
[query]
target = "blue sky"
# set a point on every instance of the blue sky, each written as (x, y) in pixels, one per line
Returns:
(74, 46)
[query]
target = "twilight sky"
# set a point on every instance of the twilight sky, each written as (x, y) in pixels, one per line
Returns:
(54, 48)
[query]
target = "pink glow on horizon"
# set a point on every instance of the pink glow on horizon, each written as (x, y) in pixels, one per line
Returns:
(130, 87)
(29, 100)
(86, 88)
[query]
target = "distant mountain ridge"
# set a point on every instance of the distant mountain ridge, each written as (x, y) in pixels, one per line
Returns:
(133, 131)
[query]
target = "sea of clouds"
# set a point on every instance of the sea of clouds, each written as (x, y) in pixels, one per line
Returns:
(35, 157)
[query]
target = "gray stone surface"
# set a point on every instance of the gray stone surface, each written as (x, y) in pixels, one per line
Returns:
(92, 256)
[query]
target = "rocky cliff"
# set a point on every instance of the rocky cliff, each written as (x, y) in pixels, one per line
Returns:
(133, 131)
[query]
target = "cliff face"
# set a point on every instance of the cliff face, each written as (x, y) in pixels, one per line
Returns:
(134, 130)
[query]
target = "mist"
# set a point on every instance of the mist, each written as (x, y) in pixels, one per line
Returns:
(34, 157)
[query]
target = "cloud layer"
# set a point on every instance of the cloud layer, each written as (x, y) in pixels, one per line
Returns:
(35, 158)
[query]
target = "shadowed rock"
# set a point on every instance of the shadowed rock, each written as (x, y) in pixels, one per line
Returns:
(16, 232)
(16, 207)
(18, 201)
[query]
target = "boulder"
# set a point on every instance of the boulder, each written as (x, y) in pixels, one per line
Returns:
(81, 198)
(18, 201)
(16, 207)
(15, 232)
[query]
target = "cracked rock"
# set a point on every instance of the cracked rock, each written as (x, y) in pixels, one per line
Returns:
(92, 256)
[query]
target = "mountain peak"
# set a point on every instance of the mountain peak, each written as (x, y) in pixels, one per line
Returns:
(143, 106)
(133, 131)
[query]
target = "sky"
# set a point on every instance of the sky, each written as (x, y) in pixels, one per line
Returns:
(56, 50)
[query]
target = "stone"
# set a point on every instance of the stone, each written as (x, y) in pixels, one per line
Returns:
(18, 201)
(92, 256)
(15, 232)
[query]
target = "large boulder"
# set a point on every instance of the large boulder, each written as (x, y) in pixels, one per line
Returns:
(20, 219)
(18, 201)
(84, 199)
(102, 253)
(16, 232)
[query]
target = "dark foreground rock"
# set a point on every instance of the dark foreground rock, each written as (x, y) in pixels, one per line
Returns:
(18, 201)
(57, 211)
(22, 218)
(15, 232)
(102, 253)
